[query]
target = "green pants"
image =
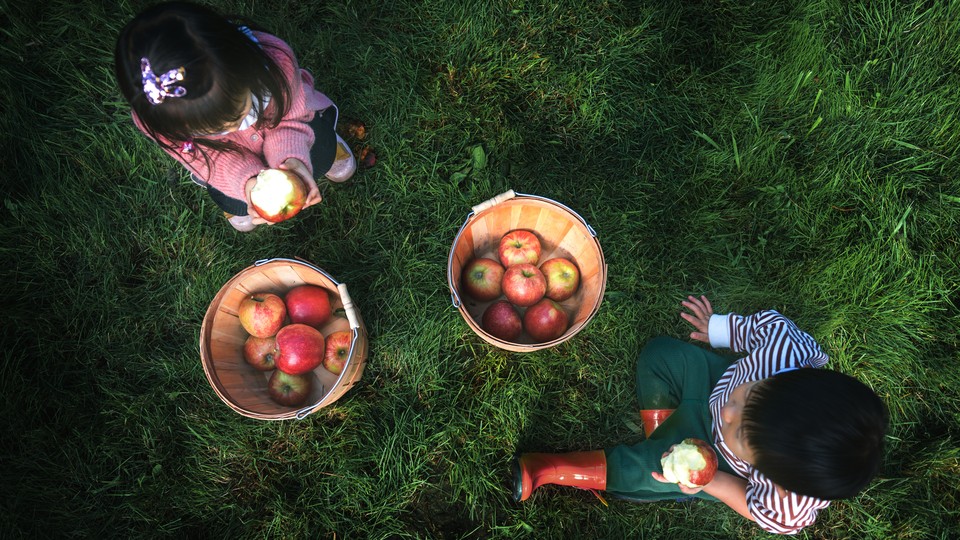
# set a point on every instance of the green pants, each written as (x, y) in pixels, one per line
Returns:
(671, 374)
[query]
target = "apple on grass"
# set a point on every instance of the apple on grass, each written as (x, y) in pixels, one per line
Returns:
(501, 320)
(278, 195)
(289, 390)
(563, 278)
(691, 463)
(482, 279)
(524, 284)
(260, 352)
(519, 246)
(545, 321)
(262, 314)
(308, 304)
(337, 349)
(300, 349)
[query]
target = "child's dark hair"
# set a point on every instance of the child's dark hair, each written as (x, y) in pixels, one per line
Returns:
(815, 432)
(222, 65)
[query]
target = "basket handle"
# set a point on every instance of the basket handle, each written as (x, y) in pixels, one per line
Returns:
(348, 305)
(505, 196)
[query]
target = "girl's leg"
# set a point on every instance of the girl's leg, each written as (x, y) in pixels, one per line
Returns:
(330, 155)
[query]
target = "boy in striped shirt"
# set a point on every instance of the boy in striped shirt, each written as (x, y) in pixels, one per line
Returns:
(789, 439)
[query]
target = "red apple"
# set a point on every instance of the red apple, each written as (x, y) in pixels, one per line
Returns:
(262, 315)
(338, 347)
(518, 247)
(691, 463)
(300, 349)
(289, 390)
(278, 195)
(260, 352)
(502, 320)
(482, 278)
(309, 304)
(524, 284)
(545, 321)
(563, 278)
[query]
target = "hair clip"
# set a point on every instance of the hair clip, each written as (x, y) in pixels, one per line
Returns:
(159, 88)
(187, 146)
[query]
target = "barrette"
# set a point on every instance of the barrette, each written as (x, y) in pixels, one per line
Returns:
(159, 88)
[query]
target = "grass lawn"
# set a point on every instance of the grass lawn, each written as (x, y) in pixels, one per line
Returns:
(800, 156)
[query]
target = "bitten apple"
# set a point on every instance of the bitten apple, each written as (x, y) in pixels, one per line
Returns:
(563, 278)
(289, 390)
(308, 304)
(524, 284)
(501, 320)
(278, 195)
(300, 349)
(482, 279)
(519, 246)
(691, 463)
(262, 315)
(260, 352)
(337, 349)
(545, 321)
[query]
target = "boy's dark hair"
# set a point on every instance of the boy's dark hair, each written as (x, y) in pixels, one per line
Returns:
(815, 432)
(221, 65)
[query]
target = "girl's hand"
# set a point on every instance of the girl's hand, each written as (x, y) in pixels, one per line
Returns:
(660, 478)
(254, 216)
(699, 317)
(297, 166)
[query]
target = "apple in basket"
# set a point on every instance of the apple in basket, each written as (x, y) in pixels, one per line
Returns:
(300, 349)
(289, 390)
(337, 349)
(482, 278)
(260, 352)
(262, 314)
(691, 463)
(308, 304)
(502, 320)
(545, 321)
(519, 246)
(524, 284)
(563, 278)
(278, 195)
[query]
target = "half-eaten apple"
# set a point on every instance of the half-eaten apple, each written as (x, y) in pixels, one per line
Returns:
(690, 463)
(278, 195)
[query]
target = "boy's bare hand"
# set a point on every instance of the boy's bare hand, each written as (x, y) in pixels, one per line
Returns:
(298, 167)
(699, 316)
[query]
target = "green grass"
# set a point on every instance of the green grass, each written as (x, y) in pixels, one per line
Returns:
(794, 155)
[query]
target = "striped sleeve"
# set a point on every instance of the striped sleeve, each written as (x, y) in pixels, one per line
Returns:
(780, 512)
(773, 343)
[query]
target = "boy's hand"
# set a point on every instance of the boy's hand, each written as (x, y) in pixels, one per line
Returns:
(297, 166)
(660, 478)
(699, 317)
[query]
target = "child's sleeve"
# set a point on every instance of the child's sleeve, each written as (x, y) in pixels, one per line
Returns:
(781, 512)
(768, 334)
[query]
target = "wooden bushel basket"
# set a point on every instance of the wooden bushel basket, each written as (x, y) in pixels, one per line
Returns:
(562, 233)
(244, 388)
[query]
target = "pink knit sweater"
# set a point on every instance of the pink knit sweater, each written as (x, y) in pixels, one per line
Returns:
(269, 147)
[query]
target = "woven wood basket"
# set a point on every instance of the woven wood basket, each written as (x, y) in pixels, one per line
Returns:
(562, 233)
(242, 387)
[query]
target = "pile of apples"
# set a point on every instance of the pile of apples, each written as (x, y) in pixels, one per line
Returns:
(285, 337)
(525, 286)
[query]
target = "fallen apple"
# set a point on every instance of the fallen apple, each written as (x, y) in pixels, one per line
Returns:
(300, 349)
(289, 390)
(308, 304)
(545, 321)
(337, 349)
(524, 284)
(260, 352)
(501, 320)
(563, 278)
(482, 279)
(262, 315)
(519, 246)
(278, 195)
(691, 463)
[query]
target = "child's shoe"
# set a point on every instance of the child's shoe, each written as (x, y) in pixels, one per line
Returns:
(344, 164)
(240, 223)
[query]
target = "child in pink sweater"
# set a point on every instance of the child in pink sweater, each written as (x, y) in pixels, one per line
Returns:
(227, 102)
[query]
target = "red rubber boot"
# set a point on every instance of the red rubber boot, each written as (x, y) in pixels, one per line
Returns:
(652, 418)
(585, 470)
